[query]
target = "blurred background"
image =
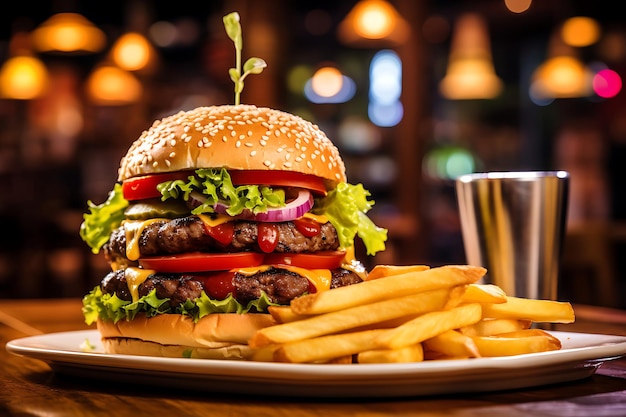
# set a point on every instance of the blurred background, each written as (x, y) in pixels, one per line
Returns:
(414, 94)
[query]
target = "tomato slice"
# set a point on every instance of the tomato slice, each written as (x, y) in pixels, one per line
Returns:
(318, 260)
(282, 178)
(140, 188)
(199, 262)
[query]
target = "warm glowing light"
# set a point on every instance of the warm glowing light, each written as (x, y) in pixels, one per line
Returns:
(517, 6)
(68, 32)
(373, 20)
(327, 81)
(132, 52)
(23, 78)
(470, 73)
(607, 83)
(562, 77)
(580, 31)
(110, 85)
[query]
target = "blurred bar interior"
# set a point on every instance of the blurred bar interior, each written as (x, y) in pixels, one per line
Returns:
(414, 93)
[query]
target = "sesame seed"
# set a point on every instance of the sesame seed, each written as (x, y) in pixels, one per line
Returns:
(267, 163)
(233, 133)
(172, 154)
(238, 144)
(167, 162)
(224, 138)
(309, 164)
(242, 137)
(249, 144)
(252, 153)
(287, 164)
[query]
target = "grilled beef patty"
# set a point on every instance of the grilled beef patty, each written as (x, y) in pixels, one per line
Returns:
(190, 234)
(281, 286)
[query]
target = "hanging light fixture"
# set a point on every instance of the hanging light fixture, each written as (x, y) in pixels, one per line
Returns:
(23, 76)
(109, 85)
(68, 32)
(562, 75)
(133, 52)
(373, 23)
(470, 73)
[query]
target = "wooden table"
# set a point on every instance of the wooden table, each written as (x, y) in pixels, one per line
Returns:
(30, 387)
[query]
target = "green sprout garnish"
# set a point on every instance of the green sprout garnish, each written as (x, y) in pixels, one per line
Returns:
(251, 66)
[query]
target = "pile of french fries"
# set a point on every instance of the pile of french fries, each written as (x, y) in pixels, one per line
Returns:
(409, 314)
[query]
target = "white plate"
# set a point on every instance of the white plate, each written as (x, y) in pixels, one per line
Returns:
(580, 356)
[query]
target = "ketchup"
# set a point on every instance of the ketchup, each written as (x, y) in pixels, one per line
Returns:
(267, 237)
(308, 227)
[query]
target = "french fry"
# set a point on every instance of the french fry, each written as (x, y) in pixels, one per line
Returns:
(329, 347)
(430, 325)
(413, 353)
(491, 327)
(528, 333)
(452, 344)
(283, 314)
(484, 293)
(351, 318)
(494, 346)
(529, 309)
(371, 291)
(409, 314)
(382, 271)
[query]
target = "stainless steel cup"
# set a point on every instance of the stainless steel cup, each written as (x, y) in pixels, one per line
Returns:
(513, 224)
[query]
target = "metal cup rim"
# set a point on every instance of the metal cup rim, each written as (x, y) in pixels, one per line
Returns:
(515, 175)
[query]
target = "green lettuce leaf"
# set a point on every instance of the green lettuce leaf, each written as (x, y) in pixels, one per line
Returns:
(346, 207)
(110, 307)
(216, 186)
(102, 219)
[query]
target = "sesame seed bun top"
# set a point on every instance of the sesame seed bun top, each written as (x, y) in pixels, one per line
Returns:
(241, 137)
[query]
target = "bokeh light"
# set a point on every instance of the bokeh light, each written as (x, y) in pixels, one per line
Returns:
(607, 83)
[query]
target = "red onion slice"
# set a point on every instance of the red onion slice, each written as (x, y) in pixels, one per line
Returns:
(291, 211)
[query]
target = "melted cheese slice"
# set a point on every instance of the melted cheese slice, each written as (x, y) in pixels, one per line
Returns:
(321, 219)
(133, 229)
(320, 278)
(134, 278)
(213, 221)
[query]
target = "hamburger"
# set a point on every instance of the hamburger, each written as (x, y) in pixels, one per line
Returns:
(219, 213)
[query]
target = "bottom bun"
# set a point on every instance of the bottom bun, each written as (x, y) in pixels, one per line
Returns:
(144, 348)
(215, 336)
